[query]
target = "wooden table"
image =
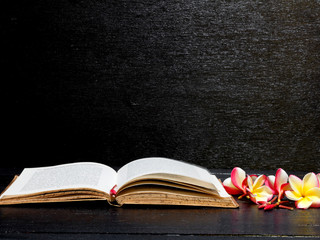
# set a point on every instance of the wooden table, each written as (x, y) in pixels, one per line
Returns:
(98, 220)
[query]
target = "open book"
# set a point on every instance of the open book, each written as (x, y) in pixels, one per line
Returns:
(159, 181)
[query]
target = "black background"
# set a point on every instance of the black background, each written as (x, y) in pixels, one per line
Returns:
(217, 83)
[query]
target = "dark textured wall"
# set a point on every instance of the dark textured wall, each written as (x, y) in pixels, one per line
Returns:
(218, 83)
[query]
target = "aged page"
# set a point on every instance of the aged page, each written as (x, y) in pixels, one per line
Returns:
(148, 166)
(66, 176)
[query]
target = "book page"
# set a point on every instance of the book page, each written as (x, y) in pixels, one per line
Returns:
(66, 176)
(222, 192)
(148, 166)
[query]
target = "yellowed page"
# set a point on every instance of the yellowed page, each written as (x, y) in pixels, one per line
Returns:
(156, 166)
(168, 196)
(63, 177)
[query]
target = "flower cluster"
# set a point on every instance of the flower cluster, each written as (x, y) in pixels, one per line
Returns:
(265, 190)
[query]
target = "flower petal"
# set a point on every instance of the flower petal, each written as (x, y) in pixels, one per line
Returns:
(245, 185)
(281, 178)
(295, 183)
(314, 195)
(294, 196)
(249, 182)
(303, 203)
(237, 177)
(315, 205)
(230, 188)
(318, 176)
(284, 187)
(270, 183)
(261, 194)
(309, 181)
(259, 181)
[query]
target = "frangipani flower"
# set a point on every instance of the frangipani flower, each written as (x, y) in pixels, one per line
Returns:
(233, 184)
(257, 191)
(237, 184)
(318, 176)
(306, 192)
(250, 186)
(279, 183)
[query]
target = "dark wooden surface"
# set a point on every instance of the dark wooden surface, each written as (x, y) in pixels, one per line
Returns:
(98, 220)
(218, 83)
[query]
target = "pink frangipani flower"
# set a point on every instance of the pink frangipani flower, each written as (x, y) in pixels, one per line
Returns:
(257, 191)
(279, 183)
(306, 192)
(233, 184)
(237, 183)
(250, 186)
